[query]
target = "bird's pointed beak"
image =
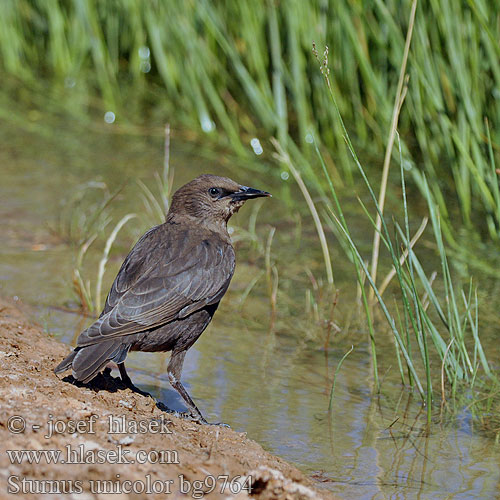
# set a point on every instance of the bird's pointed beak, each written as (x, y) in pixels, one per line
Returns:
(245, 193)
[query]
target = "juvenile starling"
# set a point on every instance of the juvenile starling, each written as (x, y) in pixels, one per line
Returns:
(169, 286)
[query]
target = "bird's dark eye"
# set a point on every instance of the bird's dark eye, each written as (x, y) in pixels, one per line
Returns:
(214, 192)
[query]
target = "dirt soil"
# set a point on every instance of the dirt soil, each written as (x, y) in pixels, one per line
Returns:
(107, 442)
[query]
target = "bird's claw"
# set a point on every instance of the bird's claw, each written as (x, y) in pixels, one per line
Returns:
(217, 424)
(220, 424)
(200, 419)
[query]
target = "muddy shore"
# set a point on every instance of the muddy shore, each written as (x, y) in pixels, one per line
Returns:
(109, 442)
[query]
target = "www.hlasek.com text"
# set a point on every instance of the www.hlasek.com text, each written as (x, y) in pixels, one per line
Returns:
(82, 454)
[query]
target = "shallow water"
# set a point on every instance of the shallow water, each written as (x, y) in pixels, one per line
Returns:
(274, 385)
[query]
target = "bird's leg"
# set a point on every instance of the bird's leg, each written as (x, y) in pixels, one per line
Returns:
(174, 370)
(193, 409)
(128, 381)
(124, 375)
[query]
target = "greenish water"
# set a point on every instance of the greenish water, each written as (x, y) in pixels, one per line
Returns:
(274, 385)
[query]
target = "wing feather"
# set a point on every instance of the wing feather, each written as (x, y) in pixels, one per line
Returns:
(171, 272)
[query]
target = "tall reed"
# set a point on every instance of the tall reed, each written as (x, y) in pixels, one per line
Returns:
(237, 70)
(450, 329)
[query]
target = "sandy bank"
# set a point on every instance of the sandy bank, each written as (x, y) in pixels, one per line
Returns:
(114, 443)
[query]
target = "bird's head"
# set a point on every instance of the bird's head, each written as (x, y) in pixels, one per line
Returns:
(211, 199)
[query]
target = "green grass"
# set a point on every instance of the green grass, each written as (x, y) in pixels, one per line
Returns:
(236, 70)
(450, 330)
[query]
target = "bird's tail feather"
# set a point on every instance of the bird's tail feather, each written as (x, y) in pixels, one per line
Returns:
(121, 353)
(86, 362)
(66, 363)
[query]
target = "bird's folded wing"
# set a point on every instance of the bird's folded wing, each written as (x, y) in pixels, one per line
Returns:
(165, 276)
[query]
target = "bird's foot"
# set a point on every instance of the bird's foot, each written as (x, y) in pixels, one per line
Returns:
(219, 424)
(200, 419)
(189, 415)
(163, 407)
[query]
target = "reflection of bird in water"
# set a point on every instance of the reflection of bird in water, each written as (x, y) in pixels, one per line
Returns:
(169, 286)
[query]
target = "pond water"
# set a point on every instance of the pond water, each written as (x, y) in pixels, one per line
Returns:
(272, 384)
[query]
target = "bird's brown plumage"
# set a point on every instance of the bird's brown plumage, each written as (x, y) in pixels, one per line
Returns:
(170, 284)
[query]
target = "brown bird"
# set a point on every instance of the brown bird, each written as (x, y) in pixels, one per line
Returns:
(169, 286)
